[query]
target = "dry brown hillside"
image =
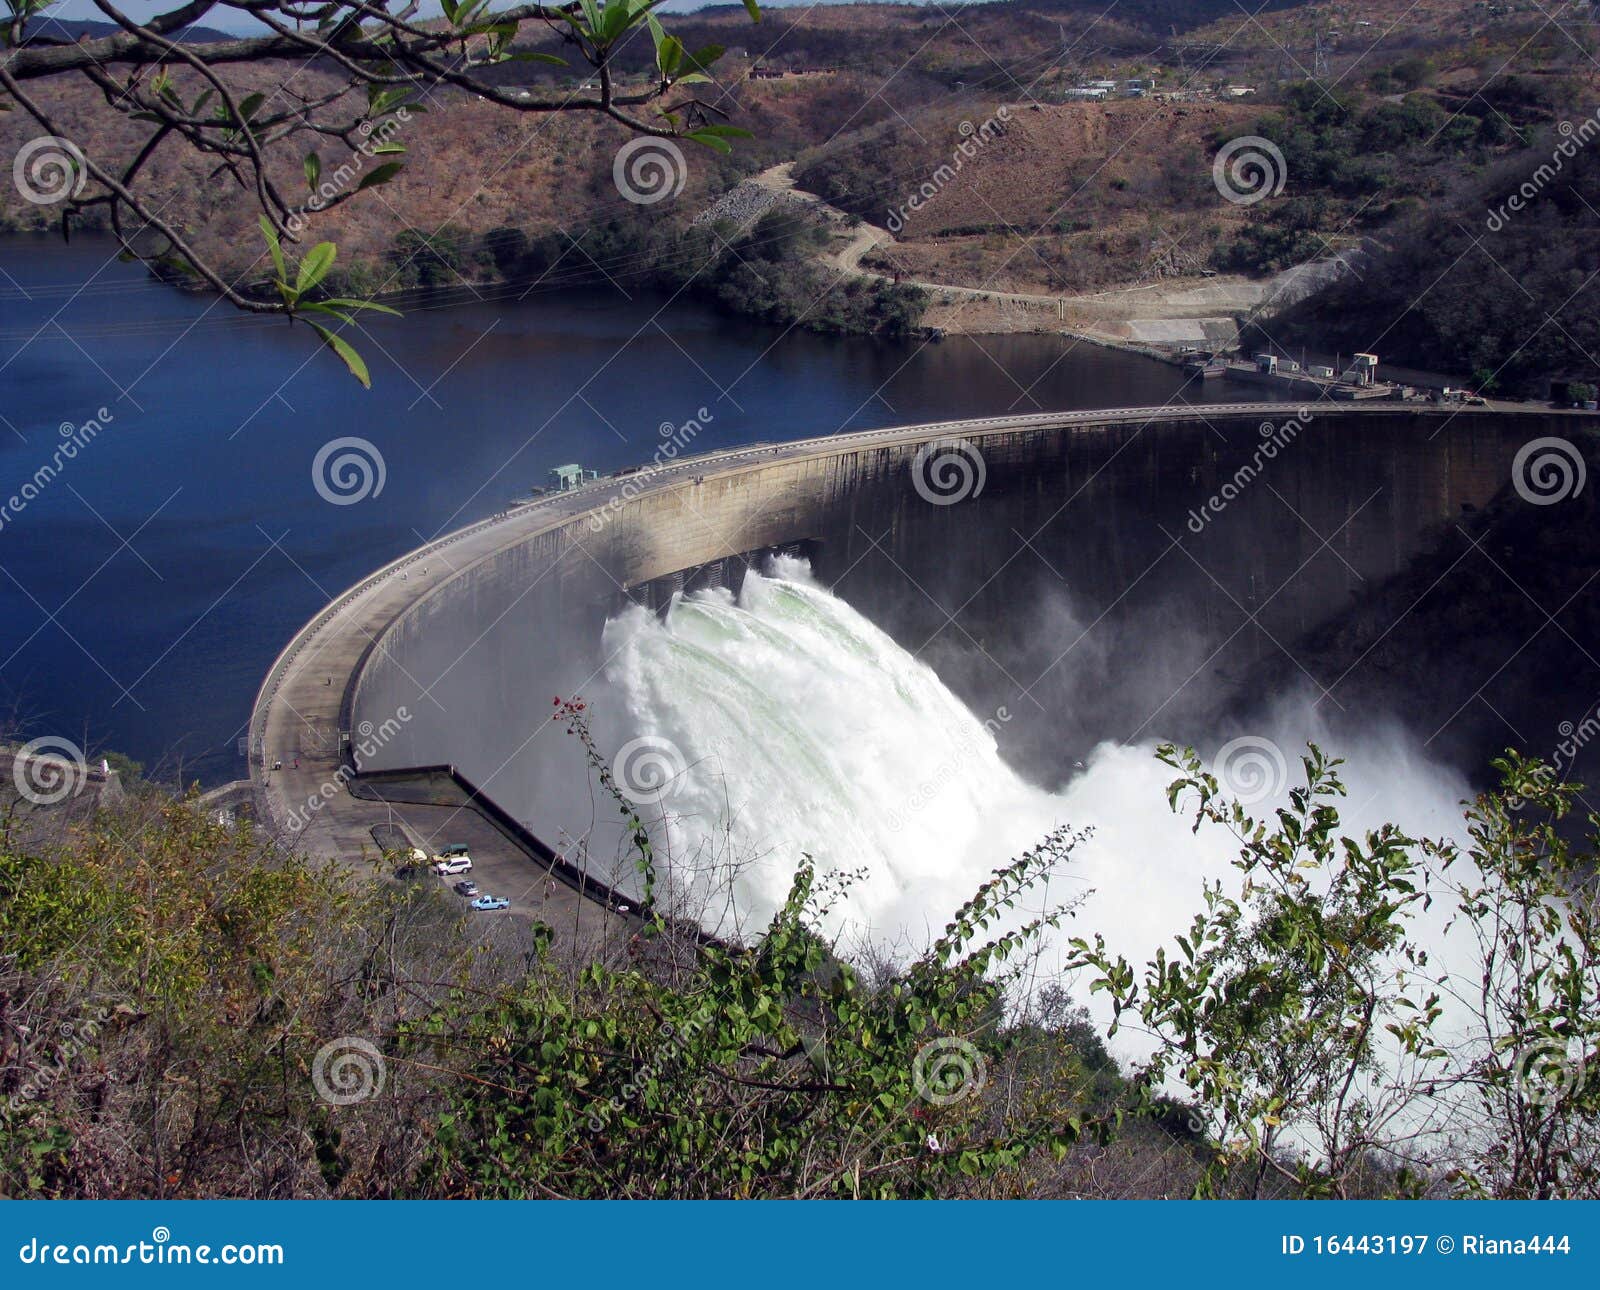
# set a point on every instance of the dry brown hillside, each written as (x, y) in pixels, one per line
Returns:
(1047, 197)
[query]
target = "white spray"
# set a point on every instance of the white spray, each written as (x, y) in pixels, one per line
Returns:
(799, 728)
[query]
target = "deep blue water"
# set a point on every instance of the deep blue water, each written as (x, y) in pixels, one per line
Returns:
(147, 587)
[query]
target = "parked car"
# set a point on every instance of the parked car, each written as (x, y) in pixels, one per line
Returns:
(467, 888)
(456, 864)
(491, 902)
(453, 850)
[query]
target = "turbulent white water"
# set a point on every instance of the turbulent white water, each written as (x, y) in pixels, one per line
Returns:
(792, 726)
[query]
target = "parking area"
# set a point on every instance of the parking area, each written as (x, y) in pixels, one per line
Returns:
(499, 867)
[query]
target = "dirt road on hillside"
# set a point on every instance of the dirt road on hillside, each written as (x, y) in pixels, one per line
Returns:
(1173, 311)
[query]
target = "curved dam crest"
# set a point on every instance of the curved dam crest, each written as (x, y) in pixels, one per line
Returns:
(1087, 574)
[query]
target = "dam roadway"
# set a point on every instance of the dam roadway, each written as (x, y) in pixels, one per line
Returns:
(305, 716)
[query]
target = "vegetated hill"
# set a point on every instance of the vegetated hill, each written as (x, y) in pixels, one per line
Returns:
(1497, 277)
(1162, 16)
(75, 29)
(193, 1013)
(469, 164)
(1063, 197)
(875, 104)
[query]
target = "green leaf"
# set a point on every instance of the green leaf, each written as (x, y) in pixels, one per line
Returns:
(702, 59)
(314, 268)
(313, 165)
(617, 17)
(321, 307)
(669, 54)
(250, 105)
(726, 131)
(382, 175)
(716, 137)
(275, 247)
(343, 348)
(709, 141)
(591, 15)
(753, 9)
(347, 303)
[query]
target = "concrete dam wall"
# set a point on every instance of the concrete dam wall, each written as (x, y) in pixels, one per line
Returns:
(1099, 575)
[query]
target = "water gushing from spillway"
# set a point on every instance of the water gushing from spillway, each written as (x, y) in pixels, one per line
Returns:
(793, 726)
